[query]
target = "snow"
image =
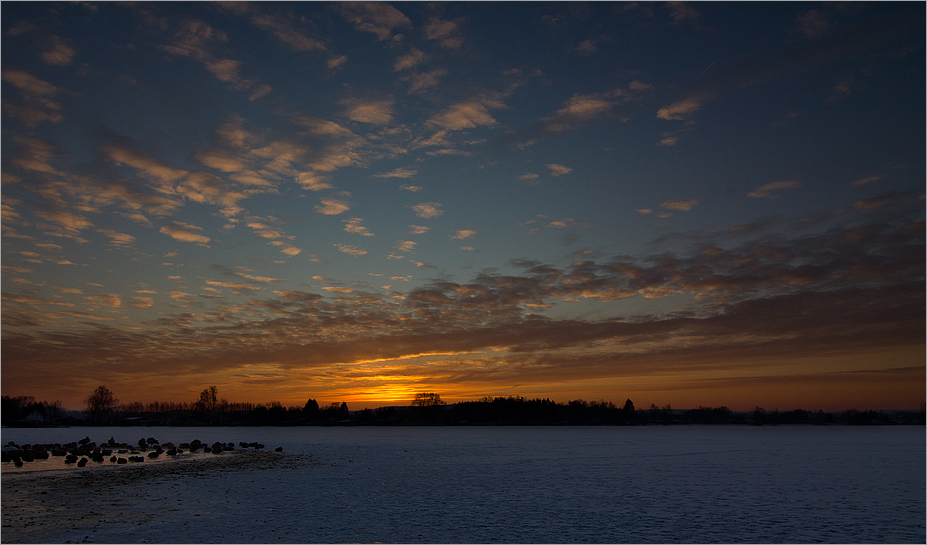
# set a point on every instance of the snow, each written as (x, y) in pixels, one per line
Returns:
(521, 484)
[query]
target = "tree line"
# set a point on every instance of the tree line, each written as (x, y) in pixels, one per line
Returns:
(102, 408)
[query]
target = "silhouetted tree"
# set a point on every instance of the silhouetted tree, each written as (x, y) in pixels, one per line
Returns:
(311, 409)
(100, 402)
(427, 400)
(627, 413)
(208, 401)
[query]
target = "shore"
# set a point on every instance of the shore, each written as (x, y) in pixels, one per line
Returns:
(43, 506)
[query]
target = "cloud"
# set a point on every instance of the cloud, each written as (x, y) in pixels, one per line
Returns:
(875, 202)
(141, 302)
(763, 192)
(376, 112)
(111, 300)
(280, 26)
(411, 58)
(866, 180)
(222, 160)
(447, 33)
(336, 61)
(286, 248)
(312, 181)
(70, 221)
(842, 90)
(578, 109)
(529, 176)
(424, 80)
(682, 109)
(163, 175)
(813, 23)
(332, 207)
(338, 290)
(418, 229)
(351, 250)
(682, 11)
(397, 173)
(437, 139)
(236, 287)
(405, 245)
(588, 47)
(464, 115)
(38, 99)
(117, 238)
(683, 206)
(203, 187)
(558, 170)
(57, 52)
(464, 233)
(412, 188)
(197, 39)
(354, 226)
(185, 232)
(765, 305)
(378, 18)
(265, 231)
(428, 210)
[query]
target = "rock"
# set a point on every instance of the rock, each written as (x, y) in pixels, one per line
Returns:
(112, 460)
(153, 455)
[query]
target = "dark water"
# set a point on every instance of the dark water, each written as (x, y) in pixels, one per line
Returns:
(541, 485)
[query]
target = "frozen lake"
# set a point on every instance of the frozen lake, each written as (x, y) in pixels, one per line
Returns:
(527, 484)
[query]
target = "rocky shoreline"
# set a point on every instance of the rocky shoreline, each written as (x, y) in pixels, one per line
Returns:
(39, 505)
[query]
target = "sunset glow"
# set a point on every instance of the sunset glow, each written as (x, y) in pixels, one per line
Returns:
(688, 204)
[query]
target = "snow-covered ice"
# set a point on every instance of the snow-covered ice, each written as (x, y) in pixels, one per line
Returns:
(517, 484)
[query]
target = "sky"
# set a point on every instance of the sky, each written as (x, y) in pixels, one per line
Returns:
(693, 204)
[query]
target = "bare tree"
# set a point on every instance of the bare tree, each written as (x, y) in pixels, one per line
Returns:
(100, 402)
(208, 401)
(427, 400)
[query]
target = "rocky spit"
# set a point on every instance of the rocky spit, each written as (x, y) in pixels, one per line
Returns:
(80, 453)
(99, 483)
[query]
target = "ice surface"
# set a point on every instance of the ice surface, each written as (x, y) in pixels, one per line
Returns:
(525, 484)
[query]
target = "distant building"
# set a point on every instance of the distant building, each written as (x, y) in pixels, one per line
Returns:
(34, 416)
